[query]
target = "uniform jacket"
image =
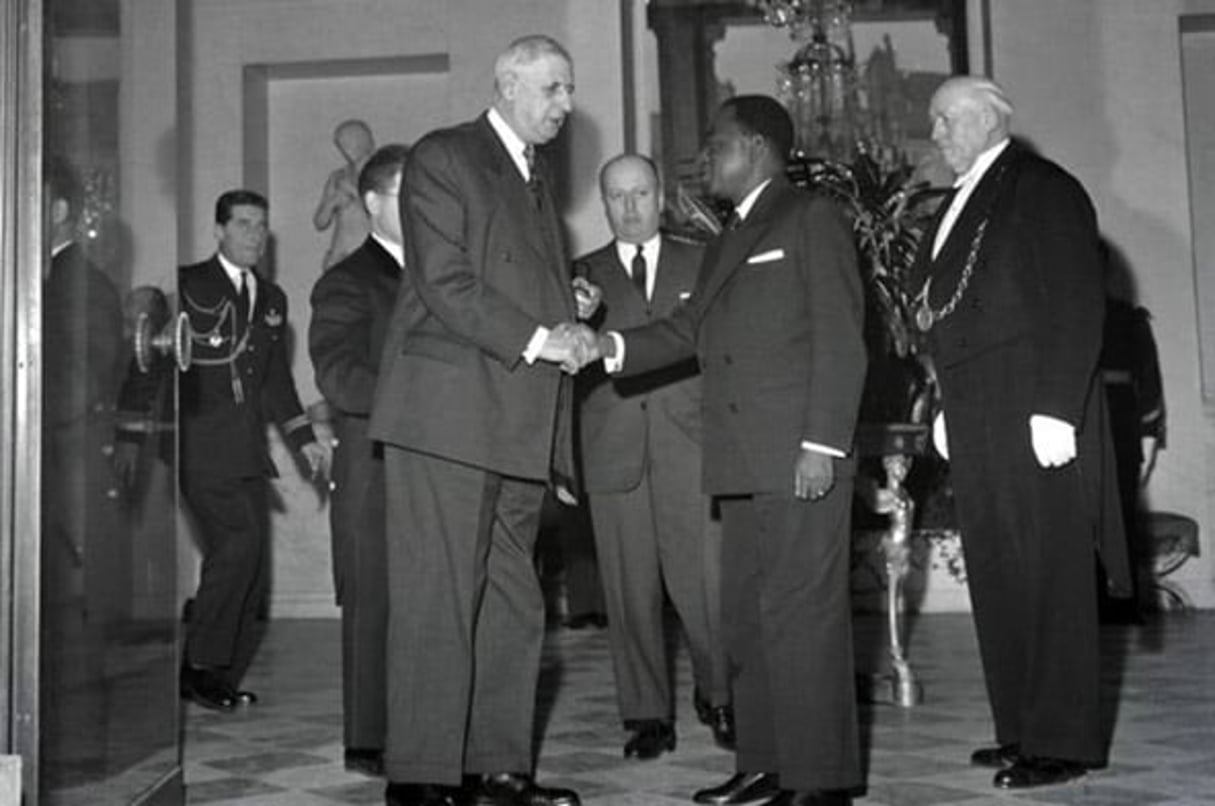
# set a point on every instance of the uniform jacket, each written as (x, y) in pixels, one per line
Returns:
(486, 267)
(1026, 333)
(776, 322)
(618, 414)
(239, 379)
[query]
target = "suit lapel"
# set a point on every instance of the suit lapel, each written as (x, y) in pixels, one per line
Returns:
(728, 253)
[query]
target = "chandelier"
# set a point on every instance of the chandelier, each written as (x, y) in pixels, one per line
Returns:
(836, 111)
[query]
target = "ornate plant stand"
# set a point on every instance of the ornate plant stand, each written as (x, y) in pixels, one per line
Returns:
(896, 444)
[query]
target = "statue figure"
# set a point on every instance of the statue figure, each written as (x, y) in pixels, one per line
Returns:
(340, 205)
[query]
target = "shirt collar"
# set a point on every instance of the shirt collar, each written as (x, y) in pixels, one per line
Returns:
(744, 206)
(513, 142)
(234, 271)
(395, 249)
(649, 248)
(981, 164)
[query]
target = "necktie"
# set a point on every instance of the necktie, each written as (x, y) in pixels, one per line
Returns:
(533, 176)
(639, 271)
(242, 299)
(734, 221)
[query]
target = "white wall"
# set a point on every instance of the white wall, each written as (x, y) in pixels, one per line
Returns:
(228, 35)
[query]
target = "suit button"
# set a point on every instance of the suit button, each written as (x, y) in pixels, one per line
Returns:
(734, 408)
(727, 360)
(643, 405)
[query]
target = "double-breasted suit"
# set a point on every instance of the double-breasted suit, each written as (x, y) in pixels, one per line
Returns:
(1023, 338)
(640, 450)
(239, 381)
(776, 321)
(351, 305)
(473, 435)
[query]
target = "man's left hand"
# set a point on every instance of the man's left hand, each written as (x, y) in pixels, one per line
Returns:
(1053, 440)
(814, 475)
(319, 457)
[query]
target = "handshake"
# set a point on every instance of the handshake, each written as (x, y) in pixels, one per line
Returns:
(572, 346)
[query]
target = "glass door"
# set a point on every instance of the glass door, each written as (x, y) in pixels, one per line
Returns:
(106, 708)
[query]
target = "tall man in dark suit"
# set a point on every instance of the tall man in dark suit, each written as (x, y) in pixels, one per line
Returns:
(775, 321)
(1012, 299)
(475, 413)
(239, 379)
(351, 305)
(640, 440)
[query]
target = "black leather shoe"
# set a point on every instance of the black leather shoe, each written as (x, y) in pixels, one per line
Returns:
(651, 738)
(743, 787)
(513, 789)
(585, 620)
(811, 797)
(997, 758)
(1031, 772)
(721, 720)
(244, 697)
(204, 688)
(365, 760)
(704, 708)
(398, 794)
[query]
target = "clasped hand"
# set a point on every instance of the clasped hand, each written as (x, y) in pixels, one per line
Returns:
(572, 346)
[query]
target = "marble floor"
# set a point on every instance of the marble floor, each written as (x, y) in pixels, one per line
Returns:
(1158, 683)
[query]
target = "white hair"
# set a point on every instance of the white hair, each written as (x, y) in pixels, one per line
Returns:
(524, 51)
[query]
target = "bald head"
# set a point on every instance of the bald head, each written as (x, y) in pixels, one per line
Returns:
(969, 115)
(632, 197)
(353, 138)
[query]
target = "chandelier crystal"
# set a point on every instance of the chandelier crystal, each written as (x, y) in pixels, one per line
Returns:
(835, 111)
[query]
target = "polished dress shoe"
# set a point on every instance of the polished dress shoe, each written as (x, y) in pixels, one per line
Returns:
(651, 738)
(721, 721)
(205, 688)
(585, 620)
(399, 794)
(514, 789)
(743, 787)
(811, 797)
(1033, 771)
(997, 758)
(244, 697)
(365, 760)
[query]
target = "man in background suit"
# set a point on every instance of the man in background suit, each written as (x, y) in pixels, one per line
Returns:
(1012, 298)
(640, 440)
(475, 414)
(351, 305)
(239, 379)
(775, 321)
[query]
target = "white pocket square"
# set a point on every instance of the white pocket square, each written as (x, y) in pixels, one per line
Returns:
(766, 257)
(683, 295)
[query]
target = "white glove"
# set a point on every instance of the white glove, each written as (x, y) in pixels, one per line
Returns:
(1054, 441)
(939, 440)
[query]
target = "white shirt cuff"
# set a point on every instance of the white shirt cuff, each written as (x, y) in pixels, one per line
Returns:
(535, 345)
(827, 449)
(616, 362)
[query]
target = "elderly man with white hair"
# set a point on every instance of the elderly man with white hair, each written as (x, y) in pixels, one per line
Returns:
(1011, 301)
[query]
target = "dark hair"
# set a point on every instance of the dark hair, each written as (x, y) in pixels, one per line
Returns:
(381, 167)
(63, 182)
(235, 198)
(765, 116)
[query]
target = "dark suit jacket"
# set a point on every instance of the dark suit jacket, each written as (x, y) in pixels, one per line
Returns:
(351, 305)
(1026, 335)
(223, 430)
(485, 269)
(617, 414)
(776, 322)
